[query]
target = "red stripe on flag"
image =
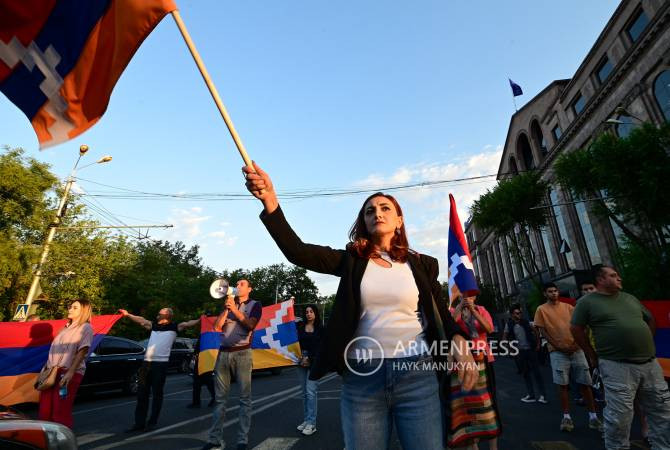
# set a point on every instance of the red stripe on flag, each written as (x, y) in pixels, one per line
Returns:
(22, 19)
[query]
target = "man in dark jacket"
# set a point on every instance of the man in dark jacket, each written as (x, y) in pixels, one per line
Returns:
(519, 330)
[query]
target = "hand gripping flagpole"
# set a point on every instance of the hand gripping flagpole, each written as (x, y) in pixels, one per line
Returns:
(212, 89)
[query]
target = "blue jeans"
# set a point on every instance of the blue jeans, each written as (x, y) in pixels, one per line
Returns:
(239, 365)
(394, 394)
(309, 395)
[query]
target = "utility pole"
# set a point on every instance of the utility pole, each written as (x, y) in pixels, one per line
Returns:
(54, 225)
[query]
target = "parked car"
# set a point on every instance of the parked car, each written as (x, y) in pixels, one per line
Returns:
(114, 365)
(19, 432)
(180, 355)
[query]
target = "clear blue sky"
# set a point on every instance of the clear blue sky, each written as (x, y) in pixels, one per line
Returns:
(324, 95)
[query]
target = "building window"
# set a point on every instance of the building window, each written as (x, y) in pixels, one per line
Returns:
(557, 132)
(587, 231)
(524, 150)
(626, 126)
(637, 26)
(548, 249)
(562, 229)
(514, 260)
(578, 104)
(662, 93)
(604, 70)
(538, 137)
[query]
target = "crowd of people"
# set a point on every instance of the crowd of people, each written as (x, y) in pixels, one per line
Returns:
(389, 294)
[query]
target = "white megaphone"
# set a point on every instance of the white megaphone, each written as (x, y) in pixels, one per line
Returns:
(221, 288)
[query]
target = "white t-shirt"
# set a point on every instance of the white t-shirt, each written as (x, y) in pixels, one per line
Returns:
(160, 342)
(389, 312)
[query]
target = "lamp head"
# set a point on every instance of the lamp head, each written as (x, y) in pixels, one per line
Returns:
(104, 159)
(83, 149)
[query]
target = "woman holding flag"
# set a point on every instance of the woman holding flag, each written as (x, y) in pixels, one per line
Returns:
(389, 299)
(67, 353)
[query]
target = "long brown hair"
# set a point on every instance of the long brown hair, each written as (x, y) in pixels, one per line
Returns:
(86, 311)
(360, 239)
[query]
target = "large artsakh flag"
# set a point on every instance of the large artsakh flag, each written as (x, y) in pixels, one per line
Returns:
(274, 342)
(60, 59)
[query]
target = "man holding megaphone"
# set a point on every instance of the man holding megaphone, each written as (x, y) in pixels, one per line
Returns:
(236, 324)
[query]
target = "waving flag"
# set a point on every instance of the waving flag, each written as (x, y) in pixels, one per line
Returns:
(60, 59)
(516, 89)
(24, 349)
(461, 272)
(274, 343)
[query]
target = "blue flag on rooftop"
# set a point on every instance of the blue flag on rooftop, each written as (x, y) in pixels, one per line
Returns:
(516, 89)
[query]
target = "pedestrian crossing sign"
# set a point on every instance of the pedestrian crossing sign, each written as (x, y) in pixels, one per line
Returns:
(21, 312)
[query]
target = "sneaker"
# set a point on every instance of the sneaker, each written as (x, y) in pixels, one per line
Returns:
(528, 399)
(309, 429)
(596, 424)
(567, 425)
(302, 426)
(542, 399)
(210, 446)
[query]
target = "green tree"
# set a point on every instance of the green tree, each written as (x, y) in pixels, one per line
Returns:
(511, 211)
(25, 186)
(633, 173)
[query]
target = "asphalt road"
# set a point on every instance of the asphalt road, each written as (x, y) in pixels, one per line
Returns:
(100, 420)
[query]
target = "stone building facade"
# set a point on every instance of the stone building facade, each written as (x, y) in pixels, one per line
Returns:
(623, 81)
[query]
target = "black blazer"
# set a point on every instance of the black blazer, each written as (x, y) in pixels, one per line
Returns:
(346, 311)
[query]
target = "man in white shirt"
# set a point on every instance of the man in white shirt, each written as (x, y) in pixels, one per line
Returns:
(154, 368)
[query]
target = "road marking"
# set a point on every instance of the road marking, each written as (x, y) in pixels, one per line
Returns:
(209, 415)
(277, 443)
(92, 437)
(124, 403)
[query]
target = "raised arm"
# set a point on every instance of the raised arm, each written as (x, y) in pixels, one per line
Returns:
(144, 323)
(187, 324)
(309, 256)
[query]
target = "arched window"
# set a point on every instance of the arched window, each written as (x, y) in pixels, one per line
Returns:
(662, 93)
(524, 150)
(514, 170)
(538, 137)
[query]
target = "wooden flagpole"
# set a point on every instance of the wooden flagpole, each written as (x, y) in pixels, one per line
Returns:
(210, 85)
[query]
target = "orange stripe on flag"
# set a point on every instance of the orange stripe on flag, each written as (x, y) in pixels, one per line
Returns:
(108, 50)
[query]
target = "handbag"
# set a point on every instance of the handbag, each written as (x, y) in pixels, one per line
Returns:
(46, 378)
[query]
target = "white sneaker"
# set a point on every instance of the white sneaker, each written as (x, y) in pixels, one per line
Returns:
(528, 399)
(302, 426)
(542, 399)
(309, 430)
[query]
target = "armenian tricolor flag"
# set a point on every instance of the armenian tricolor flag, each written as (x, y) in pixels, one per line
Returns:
(60, 59)
(660, 309)
(462, 279)
(274, 343)
(24, 349)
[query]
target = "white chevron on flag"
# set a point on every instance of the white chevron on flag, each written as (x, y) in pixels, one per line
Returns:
(457, 260)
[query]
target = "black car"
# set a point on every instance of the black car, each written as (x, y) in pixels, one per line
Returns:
(180, 355)
(114, 365)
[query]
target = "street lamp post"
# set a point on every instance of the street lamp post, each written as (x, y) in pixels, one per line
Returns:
(57, 220)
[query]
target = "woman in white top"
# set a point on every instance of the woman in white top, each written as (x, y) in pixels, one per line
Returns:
(68, 352)
(385, 323)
